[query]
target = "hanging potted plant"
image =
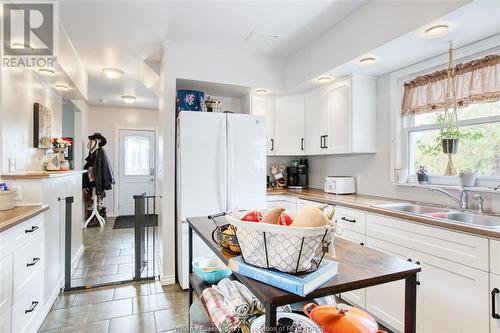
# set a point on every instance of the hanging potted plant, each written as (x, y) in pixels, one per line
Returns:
(449, 136)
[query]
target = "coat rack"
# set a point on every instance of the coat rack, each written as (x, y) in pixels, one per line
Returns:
(95, 212)
(92, 146)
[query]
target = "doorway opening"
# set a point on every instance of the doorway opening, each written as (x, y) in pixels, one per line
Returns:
(125, 247)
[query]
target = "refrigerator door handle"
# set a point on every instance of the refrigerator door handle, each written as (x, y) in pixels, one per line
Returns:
(228, 161)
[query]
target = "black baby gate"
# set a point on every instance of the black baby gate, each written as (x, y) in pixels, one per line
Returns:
(146, 227)
(145, 242)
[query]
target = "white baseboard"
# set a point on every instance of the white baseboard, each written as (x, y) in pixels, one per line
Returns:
(166, 280)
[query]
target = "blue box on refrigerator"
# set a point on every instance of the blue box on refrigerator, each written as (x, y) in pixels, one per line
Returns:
(190, 100)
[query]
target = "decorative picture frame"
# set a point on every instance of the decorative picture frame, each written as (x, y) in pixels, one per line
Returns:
(42, 124)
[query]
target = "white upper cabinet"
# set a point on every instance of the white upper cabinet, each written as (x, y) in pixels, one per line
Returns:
(338, 140)
(289, 126)
(341, 118)
(264, 106)
(316, 121)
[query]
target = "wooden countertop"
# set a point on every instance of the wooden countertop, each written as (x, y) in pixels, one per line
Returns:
(359, 267)
(367, 203)
(12, 217)
(40, 174)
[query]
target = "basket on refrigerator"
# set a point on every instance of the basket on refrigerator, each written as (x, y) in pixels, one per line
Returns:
(294, 250)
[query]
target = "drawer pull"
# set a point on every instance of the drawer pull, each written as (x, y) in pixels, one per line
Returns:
(33, 228)
(494, 315)
(32, 308)
(33, 263)
(348, 220)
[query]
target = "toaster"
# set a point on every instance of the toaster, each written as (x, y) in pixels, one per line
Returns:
(340, 185)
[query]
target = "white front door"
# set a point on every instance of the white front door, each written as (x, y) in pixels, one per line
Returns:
(136, 167)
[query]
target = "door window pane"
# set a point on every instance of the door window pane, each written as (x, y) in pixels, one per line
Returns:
(137, 155)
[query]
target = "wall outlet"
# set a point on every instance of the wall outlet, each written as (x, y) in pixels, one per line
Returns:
(18, 193)
(357, 178)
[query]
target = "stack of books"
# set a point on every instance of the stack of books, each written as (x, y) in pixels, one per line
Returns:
(301, 285)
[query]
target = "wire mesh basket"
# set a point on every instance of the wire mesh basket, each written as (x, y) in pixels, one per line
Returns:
(294, 250)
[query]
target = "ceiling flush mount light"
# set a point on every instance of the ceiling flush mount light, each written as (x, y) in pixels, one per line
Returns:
(324, 79)
(47, 71)
(62, 86)
(113, 73)
(128, 99)
(437, 31)
(261, 91)
(368, 61)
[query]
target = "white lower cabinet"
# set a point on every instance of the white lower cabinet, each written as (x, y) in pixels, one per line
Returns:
(281, 201)
(22, 278)
(452, 298)
(27, 305)
(495, 303)
(301, 203)
(354, 297)
(5, 293)
(386, 301)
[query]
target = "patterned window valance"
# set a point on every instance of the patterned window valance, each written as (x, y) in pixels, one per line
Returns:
(475, 82)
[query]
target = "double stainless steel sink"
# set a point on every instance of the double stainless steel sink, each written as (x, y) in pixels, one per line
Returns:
(457, 216)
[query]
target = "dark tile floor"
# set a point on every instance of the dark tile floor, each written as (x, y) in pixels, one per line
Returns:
(108, 255)
(138, 307)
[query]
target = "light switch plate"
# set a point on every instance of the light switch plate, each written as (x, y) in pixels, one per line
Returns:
(18, 193)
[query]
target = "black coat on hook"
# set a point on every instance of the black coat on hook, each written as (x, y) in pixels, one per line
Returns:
(99, 172)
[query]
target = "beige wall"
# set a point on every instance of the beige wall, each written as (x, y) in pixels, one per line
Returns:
(107, 121)
(21, 88)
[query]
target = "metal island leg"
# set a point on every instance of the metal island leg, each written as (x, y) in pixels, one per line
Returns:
(410, 303)
(270, 317)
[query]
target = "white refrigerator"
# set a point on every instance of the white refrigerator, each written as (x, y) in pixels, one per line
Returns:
(221, 166)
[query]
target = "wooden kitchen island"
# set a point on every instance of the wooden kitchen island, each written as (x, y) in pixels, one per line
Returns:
(359, 267)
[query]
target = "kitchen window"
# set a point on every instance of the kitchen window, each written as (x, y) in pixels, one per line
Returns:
(478, 149)
(427, 95)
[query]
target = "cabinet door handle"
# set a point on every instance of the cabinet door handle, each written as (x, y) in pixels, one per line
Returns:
(321, 145)
(272, 144)
(302, 143)
(417, 262)
(33, 228)
(409, 260)
(362, 244)
(32, 308)
(348, 220)
(494, 315)
(33, 263)
(325, 145)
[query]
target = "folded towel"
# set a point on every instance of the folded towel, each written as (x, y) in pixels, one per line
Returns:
(232, 298)
(222, 317)
(249, 297)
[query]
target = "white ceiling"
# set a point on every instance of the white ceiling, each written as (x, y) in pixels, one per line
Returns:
(123, 33)
(414, 47)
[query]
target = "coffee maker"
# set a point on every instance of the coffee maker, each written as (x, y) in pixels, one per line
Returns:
(296, 175)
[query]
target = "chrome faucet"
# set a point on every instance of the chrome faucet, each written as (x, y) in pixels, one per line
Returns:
(479, 203)
(463, 201)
